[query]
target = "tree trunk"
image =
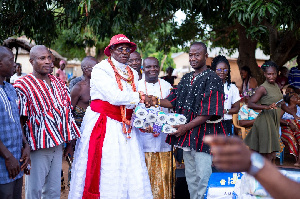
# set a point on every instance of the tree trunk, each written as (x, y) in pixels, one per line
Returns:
(288, 47)
(100, 54)
(246, 57)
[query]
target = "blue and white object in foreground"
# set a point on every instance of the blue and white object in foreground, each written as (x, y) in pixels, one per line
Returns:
(249, 188)
(221, 185)
(160, 121)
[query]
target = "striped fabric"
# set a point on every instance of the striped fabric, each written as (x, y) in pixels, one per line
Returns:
(294, 77)
(194, 96)
(48, 108)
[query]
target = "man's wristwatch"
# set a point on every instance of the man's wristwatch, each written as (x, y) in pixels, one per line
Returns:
(257, 163)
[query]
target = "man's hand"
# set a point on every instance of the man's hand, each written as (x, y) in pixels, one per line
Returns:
(150, 100)
(148, 129)
(13, 166)
(229, 153)
(69, 150)
(181, 130)
(25, 158)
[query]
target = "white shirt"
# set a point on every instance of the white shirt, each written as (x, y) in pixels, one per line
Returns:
(231, 96)
(15, 77)
(103, 81)
(151, 143)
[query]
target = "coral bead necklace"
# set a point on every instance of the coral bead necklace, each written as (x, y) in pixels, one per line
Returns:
(130, 80)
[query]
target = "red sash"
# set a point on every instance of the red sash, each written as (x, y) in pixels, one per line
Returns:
(92, 179)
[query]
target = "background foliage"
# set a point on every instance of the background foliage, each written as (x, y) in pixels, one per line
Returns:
(70, 26)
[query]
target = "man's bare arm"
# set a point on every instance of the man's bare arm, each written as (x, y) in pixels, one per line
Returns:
(75, 94)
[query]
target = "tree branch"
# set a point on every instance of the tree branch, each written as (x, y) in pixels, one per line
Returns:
(273, 36)
(226, 34)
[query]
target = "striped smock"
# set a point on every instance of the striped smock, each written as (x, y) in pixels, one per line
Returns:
(202, 94)
(49, 111)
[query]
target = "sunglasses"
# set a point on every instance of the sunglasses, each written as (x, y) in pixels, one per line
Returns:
(121, 49)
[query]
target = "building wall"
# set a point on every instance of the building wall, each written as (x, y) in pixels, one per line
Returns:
(183, 67)
(23, 59)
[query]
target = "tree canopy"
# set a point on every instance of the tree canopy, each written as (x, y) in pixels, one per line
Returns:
(272, 26)
(72, 25)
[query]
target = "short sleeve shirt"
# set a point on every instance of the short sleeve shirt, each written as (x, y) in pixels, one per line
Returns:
(231, 96)
(49, 111)
(10, 128)
(202, 94)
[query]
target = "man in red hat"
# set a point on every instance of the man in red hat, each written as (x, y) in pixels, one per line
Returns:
(109, 161)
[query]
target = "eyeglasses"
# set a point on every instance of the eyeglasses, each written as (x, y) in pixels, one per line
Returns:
(121, 49)
(220, 70)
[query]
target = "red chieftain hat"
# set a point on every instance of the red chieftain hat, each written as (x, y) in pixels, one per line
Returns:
(119, 39)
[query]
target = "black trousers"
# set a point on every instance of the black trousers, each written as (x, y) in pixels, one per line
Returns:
(12, 190)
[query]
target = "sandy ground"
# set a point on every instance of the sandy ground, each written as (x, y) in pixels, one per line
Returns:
(288, 162)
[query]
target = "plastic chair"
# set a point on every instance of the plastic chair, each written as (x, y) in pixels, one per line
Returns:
(236, 124)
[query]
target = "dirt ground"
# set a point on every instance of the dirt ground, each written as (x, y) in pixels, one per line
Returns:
(288, 162)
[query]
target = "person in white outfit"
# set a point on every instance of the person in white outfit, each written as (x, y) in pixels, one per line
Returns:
(157, 152)
(232, 97)
(18, 73)
(109, 161)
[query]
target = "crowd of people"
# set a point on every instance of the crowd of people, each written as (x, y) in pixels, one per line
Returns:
(89, 123)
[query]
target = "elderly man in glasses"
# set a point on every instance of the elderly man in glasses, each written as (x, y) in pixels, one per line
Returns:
(109, 161)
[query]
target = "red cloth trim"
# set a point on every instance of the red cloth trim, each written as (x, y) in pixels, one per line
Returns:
(92, 179)
(209, 102)
(112, 111)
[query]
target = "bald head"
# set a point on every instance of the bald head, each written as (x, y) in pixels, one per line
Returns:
(135, 53)
(36, 50)
(87, 60)
(87, 66)
(6, 63)
(201, 45)
(41, 61)
(150, 59)
(4, 51)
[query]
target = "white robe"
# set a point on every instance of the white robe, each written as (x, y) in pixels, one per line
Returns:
(123, 169)
(151, 143)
